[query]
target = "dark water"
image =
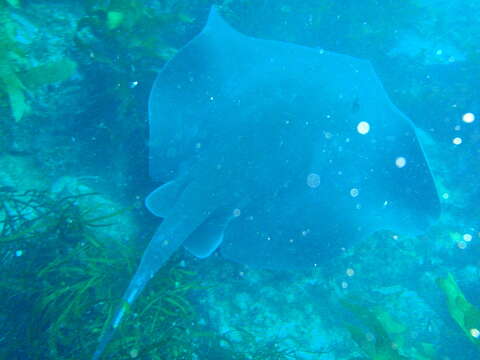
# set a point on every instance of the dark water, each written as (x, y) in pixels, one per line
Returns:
(75, 77)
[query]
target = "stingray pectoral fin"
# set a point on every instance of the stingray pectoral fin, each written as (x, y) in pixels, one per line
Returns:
(209, 235)
(162, 200)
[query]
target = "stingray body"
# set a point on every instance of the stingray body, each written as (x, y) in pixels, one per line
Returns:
(279, 154)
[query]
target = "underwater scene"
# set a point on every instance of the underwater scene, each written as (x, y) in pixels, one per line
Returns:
(239, 179)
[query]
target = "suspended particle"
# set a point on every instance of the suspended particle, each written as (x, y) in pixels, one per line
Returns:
(354, 192)
(467, 237)
(468, 118)
(400, 162)
(133, 353)
(313, 180)
(475, 333)
(236, 212)
(363, 127)
(457, 140)
(462, 245)
(350, 272)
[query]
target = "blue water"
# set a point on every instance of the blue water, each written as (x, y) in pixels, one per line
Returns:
(87, 133)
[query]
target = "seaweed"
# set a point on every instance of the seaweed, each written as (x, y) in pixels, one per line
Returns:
(466, 315)
(17, 76)
(133, 31)
(220, 346)
(381, 337)
(66, 280)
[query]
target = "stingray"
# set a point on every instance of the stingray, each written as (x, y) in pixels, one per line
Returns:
(279, 155)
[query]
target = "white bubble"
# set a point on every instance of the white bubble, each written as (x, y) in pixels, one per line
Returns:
(445, 196)
(400, 162)
(363, 127)
(350, 272)
(313, 180)
(468, 118)
(236, 212)
(354, 192)
(475, 333)
(467, 237)
(457, 141)
(344, 285)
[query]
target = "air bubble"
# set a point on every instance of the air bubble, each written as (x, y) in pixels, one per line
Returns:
(400, 162)
(363, 127)
(468, 118)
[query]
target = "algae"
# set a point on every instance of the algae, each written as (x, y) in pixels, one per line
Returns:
(466, 315)
(381, 337)
(18, 77)
(66, 279)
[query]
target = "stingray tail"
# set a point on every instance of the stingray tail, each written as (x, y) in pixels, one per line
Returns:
(168, 238)
(129, 297)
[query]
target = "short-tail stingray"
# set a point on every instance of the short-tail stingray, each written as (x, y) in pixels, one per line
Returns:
(279, 154)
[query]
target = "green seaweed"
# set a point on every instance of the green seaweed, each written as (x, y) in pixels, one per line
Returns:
(17, 76)
(133, 30)
(68, 281)
(13, 3)
(381, 337)
(466, 315)
(376, 343)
